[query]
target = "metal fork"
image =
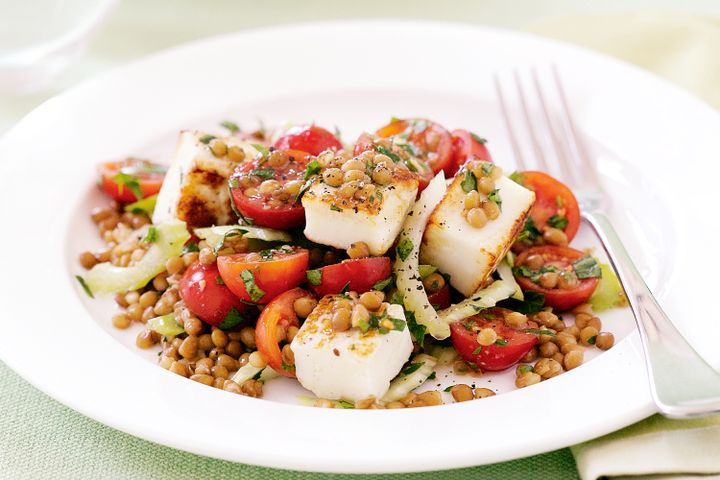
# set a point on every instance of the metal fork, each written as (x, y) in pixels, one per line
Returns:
(682, 384)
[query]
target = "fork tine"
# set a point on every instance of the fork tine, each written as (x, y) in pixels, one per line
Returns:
(519, 159)
(537, 148)
(561, 150)
(573, 137)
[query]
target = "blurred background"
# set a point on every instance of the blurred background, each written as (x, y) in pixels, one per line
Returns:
(47, 46)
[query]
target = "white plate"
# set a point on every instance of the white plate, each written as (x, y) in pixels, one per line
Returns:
(344, 74)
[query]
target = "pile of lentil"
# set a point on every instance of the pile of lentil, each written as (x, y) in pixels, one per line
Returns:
(482, 200)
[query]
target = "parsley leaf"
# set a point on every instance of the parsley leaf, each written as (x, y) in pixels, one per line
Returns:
(207, 139)
(448, 388)
(533, 303)
(477, 350)
(416, 330)
(124, 180)
(383, 284)
(84, 286)
(345, 404)
(397, 299)
(190, 247)
(232, 319)
(525, 368)
(592, 340)
(404, 248)
(255, 292)
(478, 138)
(393, 156)
(345, 288)
(469, 182)
(587, 267)
(232, 126)
(501, 342)
(494, 196)
(398, 324)
(152, 235)
(312, 169)
(413, 367)
(558, 221)
(487, 168)
(335, 208)
(539, 331)
(529, 233)
(219, 280)
(263, 172)
(264, 151)
(517, 177)
(314, 276)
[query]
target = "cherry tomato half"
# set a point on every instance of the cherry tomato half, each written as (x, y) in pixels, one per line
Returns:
(279, 312)
(430, 141)
(277, 207)
(259, 277)
(131, 179)
(308, 138)
(555, 205)
(466, 146)
(205, 294)
(361, 274)
(568, 290)
(510, 347)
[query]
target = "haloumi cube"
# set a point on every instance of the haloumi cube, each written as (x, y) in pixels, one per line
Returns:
(348, 365)
(468, 254)
(195, 189)
(339, 222)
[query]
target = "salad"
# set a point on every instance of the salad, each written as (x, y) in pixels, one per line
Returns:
(355, 269)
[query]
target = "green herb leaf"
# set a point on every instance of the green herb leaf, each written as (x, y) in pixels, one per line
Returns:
(345, 404)
(383, 284)
(529, 233)
(314, 276)
(232, 126)
(432, 376)
(398, 324)
(207, 139)
(364, 325)
(235, 232)
(84, 286)
(152, 235)
(144, 205)
(477, 138)
(487, 168)
(518, 178)
(264, 151)
(494, 196)
(257, 375)
(219, 280)
(263, 172)
(587, 267)
(306, 186)
(413, 367)
(124, 180)
(232, 319)
(469, 182)
(539, 331)
(393, 156)
(345, 288)
(426, 270)
(525, 368)
(501, 342)
(287, 367)
(448, 388)
(335, 208)
(404, 248)
(416, 330)
(533, 303)
(558, 221)
(190, 248)
(255, 292)
(397, 299)
(312, 169)
(477, 350)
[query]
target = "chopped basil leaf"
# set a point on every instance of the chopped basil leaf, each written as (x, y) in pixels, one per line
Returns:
(525, 368)
(404, 248)
(124, 180)
(314, 276)
(397, 299)
(487, 168)
(255, 292)
(558, 221)
(84, 286)
(190, 248)
(587, 267)
(478, 138)
(263, 172)
(257, 375)
(145, 205)
(345, 288)
(494, 196)
(345, 404)
(529, 233)
(538, 331)
(313, 168)
(518, 178)
(264, 151)
(448, 388)
(364, 325)
(383, 284)
(398, 324)
(416, 330)
(533, 303)
(477, 350)
(306, 186)
(501, 342)
(432, 376)
(393, 156)
(592, 340)
(469, 182)
(219, 280)
(232, 319)
(232, 126)
(335, 208)
(408, 148)
(411, 368)
(207, 139)
(426, 270)
(152, 235)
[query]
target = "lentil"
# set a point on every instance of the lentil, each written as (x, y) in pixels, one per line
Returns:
(476, 217)
(526, 379)
(179, 368)
(202, 378)
(461, 392)
(433, 282)
(588, 335)
(121, 320)
(145, 339)
(483, 393)
(304, 306)
(358, 250)
(604, 340)
(573, 359)
(555, 236)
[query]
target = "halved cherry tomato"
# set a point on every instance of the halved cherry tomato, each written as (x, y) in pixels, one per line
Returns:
(510, 347)
(259, 277)
(418, 166)
(569, 291)
(276, 209)
(466, 146)
(308, 138)
(205, 294)
(278, 312)
(360, 274)
(555, 205)
(441, 298)
(430, 141)
(131, 179)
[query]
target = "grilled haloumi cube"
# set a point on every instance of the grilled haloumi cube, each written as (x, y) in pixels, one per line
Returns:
(376, 218)
(348, 365)
(195, 188)
(469, 254)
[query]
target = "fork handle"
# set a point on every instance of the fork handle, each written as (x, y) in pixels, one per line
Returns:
(682, 384)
